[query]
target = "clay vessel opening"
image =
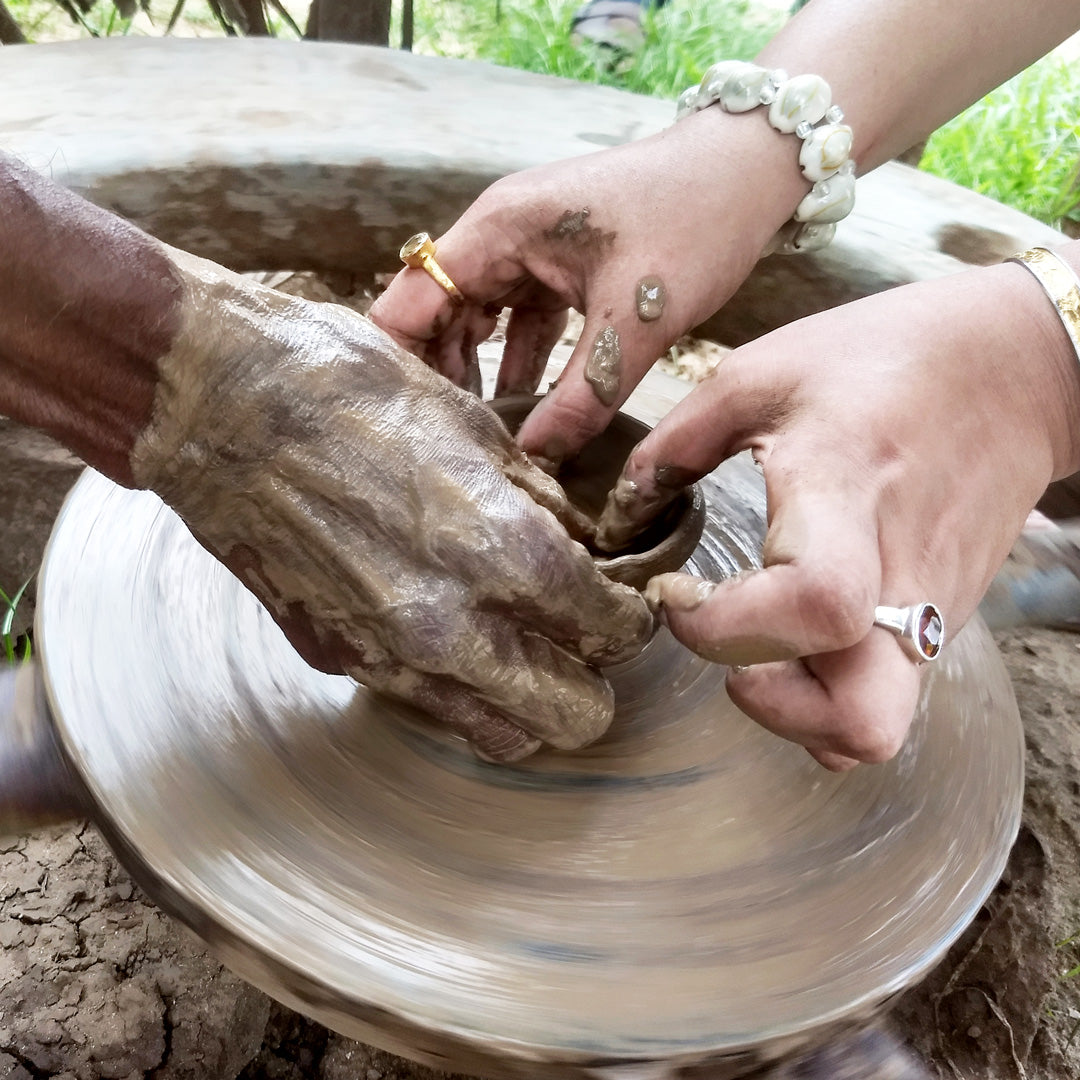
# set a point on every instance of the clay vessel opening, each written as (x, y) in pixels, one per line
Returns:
(666, 544)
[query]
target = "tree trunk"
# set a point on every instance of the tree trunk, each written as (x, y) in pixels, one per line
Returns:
(254, 18)
(363, 21)
(10, 34)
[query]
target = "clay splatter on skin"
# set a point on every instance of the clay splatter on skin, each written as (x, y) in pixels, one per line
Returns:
(299, 498)
(604, 366)
(650, 298)
(630, 508)
(574, 228)
(570, 224)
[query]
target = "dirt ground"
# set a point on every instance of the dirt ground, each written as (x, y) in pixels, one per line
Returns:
(97, 984)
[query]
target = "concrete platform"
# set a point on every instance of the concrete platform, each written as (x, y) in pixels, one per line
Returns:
(268, 154)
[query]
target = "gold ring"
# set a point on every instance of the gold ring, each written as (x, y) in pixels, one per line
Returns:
(419, 251)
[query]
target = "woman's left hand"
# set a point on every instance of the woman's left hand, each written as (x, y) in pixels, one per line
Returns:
(646, 240)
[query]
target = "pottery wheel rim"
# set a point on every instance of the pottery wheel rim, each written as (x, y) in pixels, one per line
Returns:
(184, 806)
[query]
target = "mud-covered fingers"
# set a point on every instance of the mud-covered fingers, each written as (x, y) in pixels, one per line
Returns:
(400, 664)
(611, 622)
(853, 705)
(523, 676)
(453, 350)
(559, 593)
(527, 567)
(601, 621)
(708, 425)
(544, 689)
(531, 334)
(494, 735)
(553, 587)
(646, 485)
(490, 733)
(779, 613)
(545, 491)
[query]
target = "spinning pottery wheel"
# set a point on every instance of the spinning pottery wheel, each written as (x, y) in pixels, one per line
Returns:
(690, 890)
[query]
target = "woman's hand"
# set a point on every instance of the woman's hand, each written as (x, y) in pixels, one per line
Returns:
(385, 518)
(619, 235)
(903, 439)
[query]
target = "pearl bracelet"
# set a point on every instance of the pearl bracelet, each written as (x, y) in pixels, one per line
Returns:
(801, 106)
(1060, 284)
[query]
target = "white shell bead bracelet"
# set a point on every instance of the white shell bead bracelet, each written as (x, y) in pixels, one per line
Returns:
(800, 106)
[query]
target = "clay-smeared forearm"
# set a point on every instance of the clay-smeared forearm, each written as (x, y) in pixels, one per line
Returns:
(87, 304)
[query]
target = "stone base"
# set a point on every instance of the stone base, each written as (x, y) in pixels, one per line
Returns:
(327, 157)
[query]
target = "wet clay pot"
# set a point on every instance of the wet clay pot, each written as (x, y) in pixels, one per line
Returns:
(667, 543)
(688, 892)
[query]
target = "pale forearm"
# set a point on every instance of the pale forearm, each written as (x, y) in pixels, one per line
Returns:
(88, 304)
(901, 68)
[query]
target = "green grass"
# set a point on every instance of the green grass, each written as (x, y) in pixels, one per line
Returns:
(1072, 944)
(14, 647)
(681, 40)
(1020, 144)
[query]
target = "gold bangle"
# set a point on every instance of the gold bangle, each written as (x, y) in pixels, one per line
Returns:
(1060, 283)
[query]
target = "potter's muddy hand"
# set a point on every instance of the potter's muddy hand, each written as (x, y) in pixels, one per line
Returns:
(385, 518)
(378, 512)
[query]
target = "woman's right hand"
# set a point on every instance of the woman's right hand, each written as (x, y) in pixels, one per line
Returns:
(903, 439)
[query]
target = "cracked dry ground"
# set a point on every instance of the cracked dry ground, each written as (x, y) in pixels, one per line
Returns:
(97, 983)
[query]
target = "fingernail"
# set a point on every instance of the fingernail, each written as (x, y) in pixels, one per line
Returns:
(679, 592)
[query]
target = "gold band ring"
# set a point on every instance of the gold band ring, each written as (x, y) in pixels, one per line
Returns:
(419, 251)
